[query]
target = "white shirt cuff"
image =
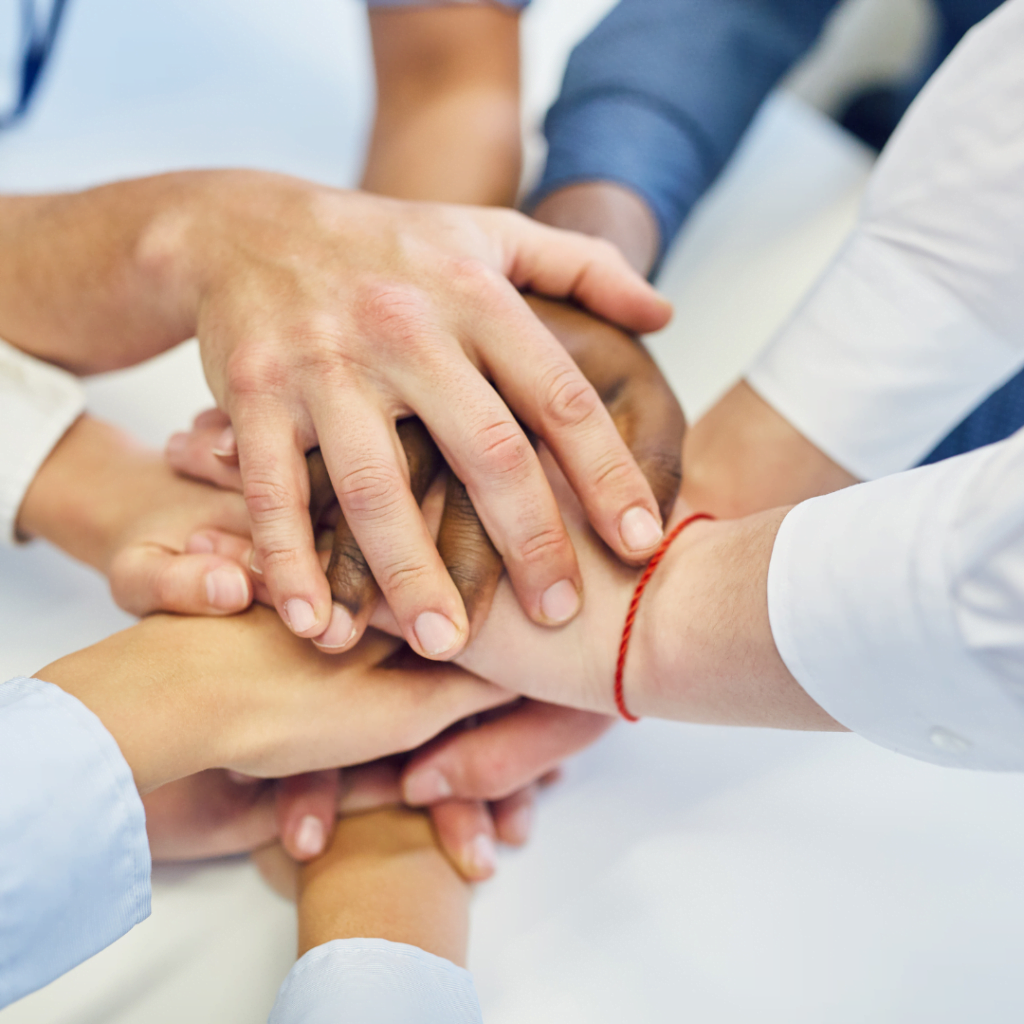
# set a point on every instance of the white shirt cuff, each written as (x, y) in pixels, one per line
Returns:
(373, 981)
(881, 362)
(38, 403)
(864, 592)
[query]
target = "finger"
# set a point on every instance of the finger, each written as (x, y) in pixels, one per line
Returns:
(513, 816)
(469, 556)
(489, 451)
(220, 542)
(592, 271)
(306, 811)
(501, 756)
(369, 786)
(195, 453)
(539, 379)
(146, 578)
(466, 833)
(353, 586)
(208, 815)
(372, 482)
(636, 394)
(276, 490)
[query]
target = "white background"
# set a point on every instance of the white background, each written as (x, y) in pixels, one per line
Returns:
(679, 873)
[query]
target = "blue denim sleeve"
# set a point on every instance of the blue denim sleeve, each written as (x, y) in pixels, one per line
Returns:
(374, 981)
(74, 857)
(657, 97)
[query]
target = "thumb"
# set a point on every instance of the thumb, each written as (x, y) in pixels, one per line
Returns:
(146, 578)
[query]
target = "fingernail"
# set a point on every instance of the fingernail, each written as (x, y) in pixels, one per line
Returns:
(226, 446)
(299, 615)
(339, 630)
(176, 444)
(425, 787)
(639, 530)
(480, 856)
(227, 588)
(309, 839)
(560, 602)
(436, 633)
(254, 564)
(519, 824)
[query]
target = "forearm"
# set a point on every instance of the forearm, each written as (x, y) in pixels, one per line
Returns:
(88, 282)
(385, 877)
(743, 456)
(447, 124)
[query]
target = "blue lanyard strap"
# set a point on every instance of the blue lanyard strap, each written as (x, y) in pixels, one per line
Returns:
(36, 49)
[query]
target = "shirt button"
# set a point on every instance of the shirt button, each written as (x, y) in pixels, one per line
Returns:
(949, 741)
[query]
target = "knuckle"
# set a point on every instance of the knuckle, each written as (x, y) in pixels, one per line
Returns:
(398, 313)
(543, 545)
(503, 449)
(371, 491)
(252, 372)
(268, 501)
(403, 577)
(570, 400)
(612, 471)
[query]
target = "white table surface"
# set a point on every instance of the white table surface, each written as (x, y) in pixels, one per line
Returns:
(679, 873)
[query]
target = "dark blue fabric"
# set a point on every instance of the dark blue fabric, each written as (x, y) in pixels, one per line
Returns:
(658, 96)
(37, 46)
(999, 416)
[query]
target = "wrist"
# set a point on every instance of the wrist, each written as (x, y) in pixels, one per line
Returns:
(385, 877)
(145, 686)
(706, 650)
(605, 210)
(91, 485)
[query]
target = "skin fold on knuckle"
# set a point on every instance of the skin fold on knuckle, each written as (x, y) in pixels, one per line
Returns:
(569, 401)
(503, 452)
(373, 491)
(350, 578)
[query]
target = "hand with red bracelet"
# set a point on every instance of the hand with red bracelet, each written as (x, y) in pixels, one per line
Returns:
(701, 648)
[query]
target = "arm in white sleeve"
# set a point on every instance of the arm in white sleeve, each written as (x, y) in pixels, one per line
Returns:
(898, 605)
(920, 316)
(373, 981)
(38, 403)
(74, 856)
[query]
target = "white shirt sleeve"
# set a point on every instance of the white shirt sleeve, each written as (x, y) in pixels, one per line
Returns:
(74, 856)
(38, 403)
(920, 316)
(898, 605)
(372, 981)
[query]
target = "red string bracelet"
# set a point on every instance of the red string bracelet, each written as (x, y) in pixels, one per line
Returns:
(627, 631)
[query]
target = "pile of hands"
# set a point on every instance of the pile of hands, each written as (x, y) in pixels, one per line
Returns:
(439, 653)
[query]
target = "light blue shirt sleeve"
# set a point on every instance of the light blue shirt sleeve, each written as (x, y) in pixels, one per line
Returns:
(74, 857)
(372, 981)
